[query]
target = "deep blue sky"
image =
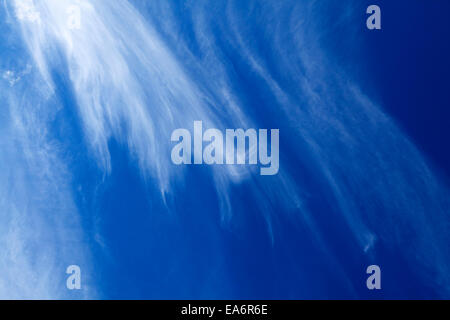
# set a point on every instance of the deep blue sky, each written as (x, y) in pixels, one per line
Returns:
(404, 67)
(407, 64)
(364, 158)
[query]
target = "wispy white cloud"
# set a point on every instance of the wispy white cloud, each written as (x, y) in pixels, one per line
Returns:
(373, 174)
(129, 86)
(135, 83)
(40, 229)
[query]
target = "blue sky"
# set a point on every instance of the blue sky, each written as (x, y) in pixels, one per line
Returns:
(86, 172)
